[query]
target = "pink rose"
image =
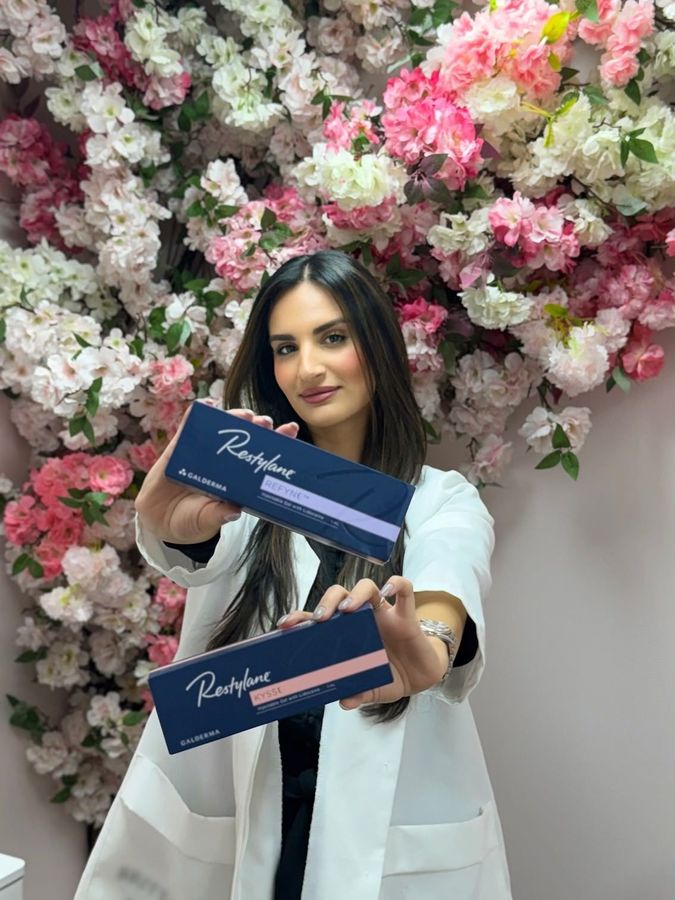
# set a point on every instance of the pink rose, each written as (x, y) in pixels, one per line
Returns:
(143, 456)
(641, 359)
(110, 474)
(19, 519)
(161, 648)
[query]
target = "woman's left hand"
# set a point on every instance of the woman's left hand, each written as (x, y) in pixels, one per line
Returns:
(415, 662)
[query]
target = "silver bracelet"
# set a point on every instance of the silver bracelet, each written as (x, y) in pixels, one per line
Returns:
(434, 628)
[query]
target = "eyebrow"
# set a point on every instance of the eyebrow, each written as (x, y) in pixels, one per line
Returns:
(289, 337)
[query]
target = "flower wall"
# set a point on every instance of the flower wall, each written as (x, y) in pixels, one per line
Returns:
(518, 210)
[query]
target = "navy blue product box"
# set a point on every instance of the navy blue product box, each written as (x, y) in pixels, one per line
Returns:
(268, 677)
(290, 482)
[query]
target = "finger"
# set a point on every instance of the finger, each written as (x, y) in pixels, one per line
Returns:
(330, 602)
(364, 591)
(294, 618)
(400, 591)
(290, 429)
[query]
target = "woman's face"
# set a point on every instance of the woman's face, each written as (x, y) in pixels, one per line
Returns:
(316, 363)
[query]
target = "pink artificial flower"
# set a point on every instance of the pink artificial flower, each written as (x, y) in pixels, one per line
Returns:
(49, 555)
(163, 92)
(110, 474)
(361, 218)
(58, 474)
(597, 33)
(170, 594)
(100, 37)
(641, 359)
(143, 456)
(67, 531)
(430, 315)
(170, 377)
(28, 154)
(19, 520)
(670, 243)
(161, 648)
(659, 312)
(511, 220)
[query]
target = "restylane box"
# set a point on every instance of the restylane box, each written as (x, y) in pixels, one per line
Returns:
(265, 678)
(290, 482)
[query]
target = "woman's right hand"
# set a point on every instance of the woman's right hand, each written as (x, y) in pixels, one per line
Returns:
(182, 515)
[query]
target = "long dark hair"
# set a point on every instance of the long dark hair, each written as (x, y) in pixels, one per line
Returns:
(395, 440)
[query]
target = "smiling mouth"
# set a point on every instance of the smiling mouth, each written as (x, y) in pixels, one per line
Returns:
(319, 396)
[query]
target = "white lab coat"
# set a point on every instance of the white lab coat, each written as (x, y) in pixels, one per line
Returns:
(402, 810)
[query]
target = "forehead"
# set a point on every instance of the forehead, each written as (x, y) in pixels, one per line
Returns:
(303, 307)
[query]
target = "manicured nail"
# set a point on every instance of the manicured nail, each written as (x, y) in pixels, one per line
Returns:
(346, 603)
(282, 619)
(232, 517)
(387, 590)
(268, 419)
(319, 612)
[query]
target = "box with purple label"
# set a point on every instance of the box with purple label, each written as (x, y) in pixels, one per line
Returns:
(290, 482)
(225, 691)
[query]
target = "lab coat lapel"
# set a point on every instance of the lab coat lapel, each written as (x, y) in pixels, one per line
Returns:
(358, 771)
(246, 753)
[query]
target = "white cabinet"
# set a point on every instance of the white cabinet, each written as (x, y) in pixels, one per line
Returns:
(11, 877)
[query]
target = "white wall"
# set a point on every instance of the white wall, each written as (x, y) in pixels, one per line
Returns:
(575, 708)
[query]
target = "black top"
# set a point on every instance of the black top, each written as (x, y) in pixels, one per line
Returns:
(300, 735)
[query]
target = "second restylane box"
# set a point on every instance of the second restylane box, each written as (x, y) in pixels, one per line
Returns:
(292, 483)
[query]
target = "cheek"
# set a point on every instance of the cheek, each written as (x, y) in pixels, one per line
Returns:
(351, 367)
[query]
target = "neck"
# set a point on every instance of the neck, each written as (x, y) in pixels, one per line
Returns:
(345, 439)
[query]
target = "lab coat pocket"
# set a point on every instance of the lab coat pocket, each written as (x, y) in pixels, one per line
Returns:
(450, 859)
(152, 847)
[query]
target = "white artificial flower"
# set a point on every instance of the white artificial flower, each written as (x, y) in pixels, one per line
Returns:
(459, 232)
(491, 307)
(351, 182)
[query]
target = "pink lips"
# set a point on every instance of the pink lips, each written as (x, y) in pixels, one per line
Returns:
(319, 398)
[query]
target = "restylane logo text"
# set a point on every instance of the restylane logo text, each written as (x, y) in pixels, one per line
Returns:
(207, 689)
(239, 439)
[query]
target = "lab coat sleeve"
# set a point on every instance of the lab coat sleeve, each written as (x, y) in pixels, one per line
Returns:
(180, 568)
(449, 549)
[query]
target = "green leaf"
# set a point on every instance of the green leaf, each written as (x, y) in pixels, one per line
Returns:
(195, 209)
(88, 431)
(595, 95)
(624, 151)
(134, 718)
(93, 739)
(92, 401)
(178, 335)
(431, 431)
(30, 656)
(61, 796)
(555, 27)
(20, 563)
(560, 439)
(86, 73)
(27, 718)
(136, 346)
(554, 62)
(621, 379)
(81, 341)
(268, 219)
(548, 462)
(35, 568)
(555, 311)
(589, 9)
(566, 73)
(449, 353)
(184, 120)
(224, 211)
(644, 150)
(643, 56)
(196, 284)
(201, 106)
(97, 497)
(72, 504)
(570, 464)
(442, 12)
(474, 192)
(3, 330)
(632, 91)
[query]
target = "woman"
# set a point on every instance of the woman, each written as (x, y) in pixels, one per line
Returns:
(382, 796)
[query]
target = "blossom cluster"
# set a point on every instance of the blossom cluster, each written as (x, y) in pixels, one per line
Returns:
(517, 207)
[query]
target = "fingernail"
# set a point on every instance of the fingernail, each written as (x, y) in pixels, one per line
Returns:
(387, 590)
(346, 603)
(282, 619)
(319, 612)
(231, 517)
(268, 419)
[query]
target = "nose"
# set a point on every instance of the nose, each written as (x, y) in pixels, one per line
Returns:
(310, 366)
